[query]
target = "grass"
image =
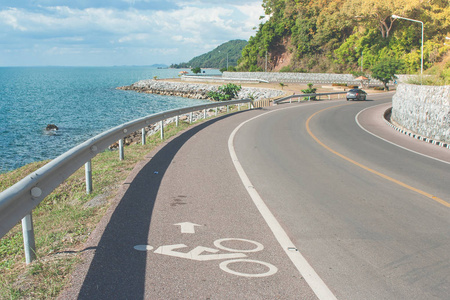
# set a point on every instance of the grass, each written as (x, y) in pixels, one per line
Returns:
(63, 221)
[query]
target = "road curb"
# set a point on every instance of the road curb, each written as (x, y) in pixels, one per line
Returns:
(386, 117)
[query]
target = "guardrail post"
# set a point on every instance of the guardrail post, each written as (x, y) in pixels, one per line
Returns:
(121, 154)
(239, 107)
(329, 97)
(161, 124)
(143, 136)
(204, 113)
(309, 98)
(190, 117)
(216, 111)
(28, 238)
(177, 120)
(228, 108)
(88, 172)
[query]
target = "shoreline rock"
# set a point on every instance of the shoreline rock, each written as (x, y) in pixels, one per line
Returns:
(186, 90)
(195, 91)
(51, 127)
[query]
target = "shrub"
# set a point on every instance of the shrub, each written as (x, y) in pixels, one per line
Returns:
(301, 70)
(226, 92)
(286, 69)
(310, 90)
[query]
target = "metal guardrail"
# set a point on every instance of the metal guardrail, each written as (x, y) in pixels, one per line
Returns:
(18, 201)
(275, 102)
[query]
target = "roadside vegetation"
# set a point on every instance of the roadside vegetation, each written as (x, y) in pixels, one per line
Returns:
(64, 220)
(225, 92)
(341, 36)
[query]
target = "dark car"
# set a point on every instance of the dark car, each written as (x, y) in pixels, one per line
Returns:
(356, 94)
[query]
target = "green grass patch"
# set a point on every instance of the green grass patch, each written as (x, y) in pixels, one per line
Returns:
(62, 222)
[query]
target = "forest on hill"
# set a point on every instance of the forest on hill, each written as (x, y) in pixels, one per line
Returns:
(345, 36)
(228, 52)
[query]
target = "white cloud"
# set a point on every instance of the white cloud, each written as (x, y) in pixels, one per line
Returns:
(196, 26)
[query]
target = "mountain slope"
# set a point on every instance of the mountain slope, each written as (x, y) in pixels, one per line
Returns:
(217, 58)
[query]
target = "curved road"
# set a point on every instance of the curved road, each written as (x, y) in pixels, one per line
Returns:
(370, 217)
(339, 213)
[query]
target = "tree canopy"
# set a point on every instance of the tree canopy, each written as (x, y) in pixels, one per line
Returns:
(340, 35)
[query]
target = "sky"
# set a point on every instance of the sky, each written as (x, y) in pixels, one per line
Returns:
(119, 32)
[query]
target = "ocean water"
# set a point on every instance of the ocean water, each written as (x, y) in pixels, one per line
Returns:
(81, 101)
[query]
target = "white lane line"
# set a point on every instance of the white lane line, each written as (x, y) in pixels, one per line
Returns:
(392, 143)
(307, 272)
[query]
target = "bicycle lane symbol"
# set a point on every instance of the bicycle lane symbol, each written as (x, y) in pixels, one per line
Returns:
(201, 253)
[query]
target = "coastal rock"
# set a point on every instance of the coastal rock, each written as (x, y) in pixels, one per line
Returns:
(51, 127)
(195, 91)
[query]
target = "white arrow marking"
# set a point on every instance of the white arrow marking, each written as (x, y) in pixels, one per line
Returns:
(187, 227)
(196, 253)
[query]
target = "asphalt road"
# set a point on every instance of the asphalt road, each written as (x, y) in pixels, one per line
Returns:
(331, 228)
(367, 236)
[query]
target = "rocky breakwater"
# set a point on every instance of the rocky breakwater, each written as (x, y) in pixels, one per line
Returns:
(195, 91)
(187, 90)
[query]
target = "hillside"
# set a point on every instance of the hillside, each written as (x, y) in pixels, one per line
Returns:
(340, 35)
(217, 58)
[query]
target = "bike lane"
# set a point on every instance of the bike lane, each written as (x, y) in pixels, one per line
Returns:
(186, 228)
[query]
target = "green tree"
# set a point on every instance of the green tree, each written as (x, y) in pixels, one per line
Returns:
(196, 70)
(385, 71)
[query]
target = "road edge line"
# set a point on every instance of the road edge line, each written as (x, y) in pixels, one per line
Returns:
(392, 143)
(307, 272)
(391, 179)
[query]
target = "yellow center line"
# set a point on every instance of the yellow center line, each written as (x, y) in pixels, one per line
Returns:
(437, 199)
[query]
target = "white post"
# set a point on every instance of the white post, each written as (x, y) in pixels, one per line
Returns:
(143, 136)
(161, 124)
(88, 173)
(28, 238)
(121, 154)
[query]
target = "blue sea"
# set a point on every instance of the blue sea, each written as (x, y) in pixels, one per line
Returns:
(81, 101)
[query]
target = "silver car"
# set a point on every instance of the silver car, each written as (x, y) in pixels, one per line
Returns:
(356, 94)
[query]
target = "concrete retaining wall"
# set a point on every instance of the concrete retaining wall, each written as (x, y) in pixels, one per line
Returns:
(424, 110)
(293, 77)
(306, 77)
